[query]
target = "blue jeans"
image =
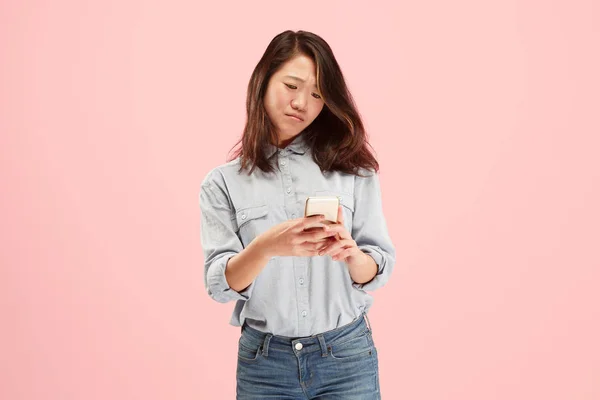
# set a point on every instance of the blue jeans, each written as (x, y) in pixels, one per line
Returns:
(337, 364)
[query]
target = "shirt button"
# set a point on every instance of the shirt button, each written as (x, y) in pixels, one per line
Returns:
(243, 216)
(283, 163)
(304, 313)
(301, 281)
(293, 215)
(298, 346)
(288, 190)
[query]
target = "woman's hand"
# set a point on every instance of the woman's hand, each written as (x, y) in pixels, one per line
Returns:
(296, 237)
(343, 247)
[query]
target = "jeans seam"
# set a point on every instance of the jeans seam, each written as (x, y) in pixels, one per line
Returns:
(376, 369)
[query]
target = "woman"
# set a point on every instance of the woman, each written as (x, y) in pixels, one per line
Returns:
(299, 284)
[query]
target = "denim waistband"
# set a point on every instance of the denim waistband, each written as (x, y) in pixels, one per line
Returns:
(254, 338)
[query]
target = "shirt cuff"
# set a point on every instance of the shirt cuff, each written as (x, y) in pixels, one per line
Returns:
(217, 285)
(376, 254)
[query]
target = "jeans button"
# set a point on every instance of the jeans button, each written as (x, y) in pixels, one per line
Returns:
(298, 346)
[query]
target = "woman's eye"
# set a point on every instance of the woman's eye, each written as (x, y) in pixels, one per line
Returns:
(316, 96)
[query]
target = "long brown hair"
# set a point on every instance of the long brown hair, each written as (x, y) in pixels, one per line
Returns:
(337, 136)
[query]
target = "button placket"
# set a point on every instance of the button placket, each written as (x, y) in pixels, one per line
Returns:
(299, 265)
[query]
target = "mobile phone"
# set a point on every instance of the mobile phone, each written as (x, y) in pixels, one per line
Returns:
(325, 205)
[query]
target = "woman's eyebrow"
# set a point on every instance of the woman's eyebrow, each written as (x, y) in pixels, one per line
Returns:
(298, 79)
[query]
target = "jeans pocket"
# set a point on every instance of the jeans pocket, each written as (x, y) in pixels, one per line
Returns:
(248, 354)
(353, 349)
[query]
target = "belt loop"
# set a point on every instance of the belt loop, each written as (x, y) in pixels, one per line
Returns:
(265, 350)
(324, 351)
(367, 320)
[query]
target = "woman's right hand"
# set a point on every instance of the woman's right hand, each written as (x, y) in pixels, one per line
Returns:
(296, 237)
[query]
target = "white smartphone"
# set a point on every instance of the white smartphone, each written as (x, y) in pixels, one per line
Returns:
(326, 205)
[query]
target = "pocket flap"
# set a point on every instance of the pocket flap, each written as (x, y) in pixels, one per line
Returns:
(249, 213)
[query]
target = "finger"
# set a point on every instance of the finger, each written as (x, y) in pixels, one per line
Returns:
(312, 229)
(311, 249)
(344, 254)
(340, 215)
(341, 230)
(339, 246)
(310, 222)
(336, 255)
(334, 248)
(318, 236)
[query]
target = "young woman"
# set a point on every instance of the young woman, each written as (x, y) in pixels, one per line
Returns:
(300, 285)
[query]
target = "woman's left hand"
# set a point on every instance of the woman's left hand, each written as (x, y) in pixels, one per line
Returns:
(342, 247)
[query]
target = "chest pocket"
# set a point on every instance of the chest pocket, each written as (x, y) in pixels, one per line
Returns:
(347, 202)
(252, 221)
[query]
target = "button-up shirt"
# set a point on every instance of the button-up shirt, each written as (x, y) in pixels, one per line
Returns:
(292, 296)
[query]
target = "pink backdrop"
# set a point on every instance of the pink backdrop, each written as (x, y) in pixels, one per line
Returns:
(484, 116)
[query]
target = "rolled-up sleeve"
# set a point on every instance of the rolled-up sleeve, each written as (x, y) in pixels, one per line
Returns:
(369, 229)
(219, 239)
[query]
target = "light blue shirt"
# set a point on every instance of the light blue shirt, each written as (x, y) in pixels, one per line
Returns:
(292, 296)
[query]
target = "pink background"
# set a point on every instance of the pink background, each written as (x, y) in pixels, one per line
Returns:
(485, 119)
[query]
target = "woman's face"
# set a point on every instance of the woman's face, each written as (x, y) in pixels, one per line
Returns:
(292, 91)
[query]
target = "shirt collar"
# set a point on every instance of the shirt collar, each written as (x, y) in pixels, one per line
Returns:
(298, 146)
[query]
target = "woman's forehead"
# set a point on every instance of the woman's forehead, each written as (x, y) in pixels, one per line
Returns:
(301, 70)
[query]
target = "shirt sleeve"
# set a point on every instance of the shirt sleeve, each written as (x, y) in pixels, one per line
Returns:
(219, 239)
(369, 229)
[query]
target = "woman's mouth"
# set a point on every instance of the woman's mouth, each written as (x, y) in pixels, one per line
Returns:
(295, 118)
